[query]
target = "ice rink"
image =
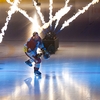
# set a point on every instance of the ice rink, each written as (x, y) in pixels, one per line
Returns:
(72, 73)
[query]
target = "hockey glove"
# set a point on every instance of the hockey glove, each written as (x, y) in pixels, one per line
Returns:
(39, 55)
(46, 55)
(25, 49)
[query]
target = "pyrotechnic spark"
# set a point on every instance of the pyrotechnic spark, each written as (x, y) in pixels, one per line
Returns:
(62, 12)
(57, 16)
(52, 18)
(14, 8)
(39, 12)
(50, 14)
(8, 18)
(66, 23)
(22, 12)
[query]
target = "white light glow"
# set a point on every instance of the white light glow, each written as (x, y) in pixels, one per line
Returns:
(35, 24)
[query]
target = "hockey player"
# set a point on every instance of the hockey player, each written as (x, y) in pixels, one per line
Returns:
(30, 49)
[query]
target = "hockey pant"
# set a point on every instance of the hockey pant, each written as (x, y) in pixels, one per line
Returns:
(34, 59)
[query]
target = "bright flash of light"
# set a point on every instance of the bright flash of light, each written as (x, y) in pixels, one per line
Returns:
(66, 23)
(50, 14)
(36, 25)
(39, 12)
(62, 12)
(8, 18)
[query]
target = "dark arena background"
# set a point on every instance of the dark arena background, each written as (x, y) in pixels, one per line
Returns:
(70, 30)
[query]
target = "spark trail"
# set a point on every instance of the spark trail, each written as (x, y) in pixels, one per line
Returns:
(39, 12)
(11, 11)
(22, 12)
(57, 16)
(50, 14)
(66, 23)
(8, 18)
(62, 12)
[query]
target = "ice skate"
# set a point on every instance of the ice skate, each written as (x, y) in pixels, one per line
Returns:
(37, 73)
(28, 63)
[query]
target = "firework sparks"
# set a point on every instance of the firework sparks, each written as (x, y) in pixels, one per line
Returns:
(50, 14)
(10, 13)
(66, 23)
(58, 15)
(39, 12)
(62, 12)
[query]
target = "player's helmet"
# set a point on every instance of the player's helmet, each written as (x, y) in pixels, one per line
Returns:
(46, 55)
(34, 33)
